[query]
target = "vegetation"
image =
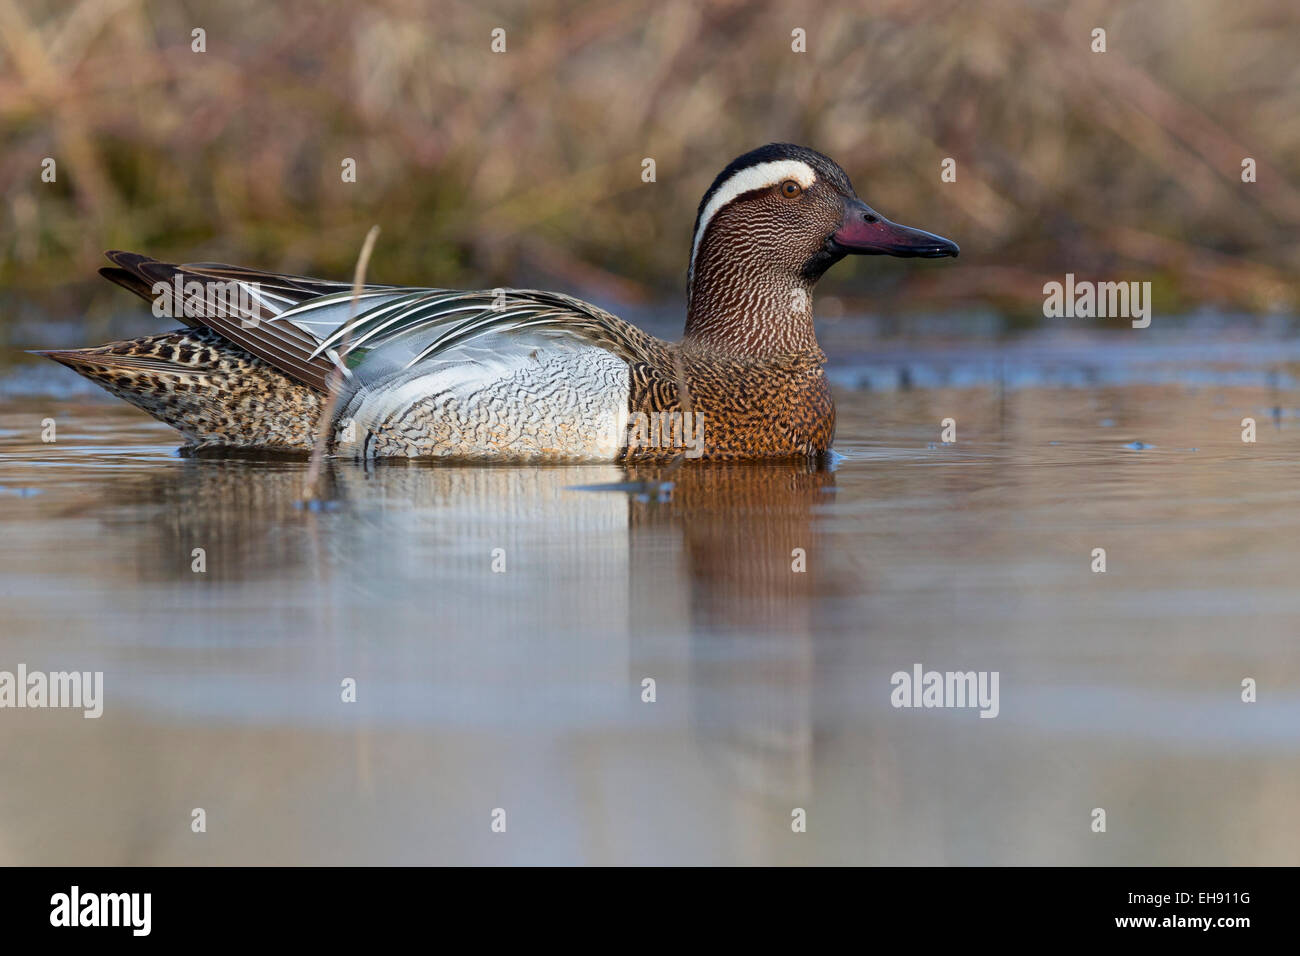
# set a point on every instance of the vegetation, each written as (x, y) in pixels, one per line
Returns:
(525, 166)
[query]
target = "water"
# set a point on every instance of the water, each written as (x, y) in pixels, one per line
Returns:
(522, 689)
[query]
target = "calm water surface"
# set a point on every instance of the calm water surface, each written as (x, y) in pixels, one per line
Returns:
(522, 689)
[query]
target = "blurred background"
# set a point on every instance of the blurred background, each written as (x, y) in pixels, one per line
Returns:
(525, 167)
(1120, 690)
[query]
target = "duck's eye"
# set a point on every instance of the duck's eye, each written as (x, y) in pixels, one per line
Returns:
(790, 189)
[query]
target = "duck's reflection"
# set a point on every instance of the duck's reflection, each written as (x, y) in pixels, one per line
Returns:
(749, 561)
(714, 587)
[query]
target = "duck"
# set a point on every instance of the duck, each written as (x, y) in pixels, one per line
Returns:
(517, 375)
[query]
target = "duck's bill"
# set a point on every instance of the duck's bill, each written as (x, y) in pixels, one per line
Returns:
(866, 233)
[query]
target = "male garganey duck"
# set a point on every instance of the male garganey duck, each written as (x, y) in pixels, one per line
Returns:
(519, 375)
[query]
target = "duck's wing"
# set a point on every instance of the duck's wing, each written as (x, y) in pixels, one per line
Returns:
(246, 307)
(300, 325)
(424, 325)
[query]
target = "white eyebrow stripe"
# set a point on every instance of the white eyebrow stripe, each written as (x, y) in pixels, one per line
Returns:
(747, 180)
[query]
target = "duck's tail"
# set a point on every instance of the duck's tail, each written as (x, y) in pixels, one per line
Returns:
(212, 391)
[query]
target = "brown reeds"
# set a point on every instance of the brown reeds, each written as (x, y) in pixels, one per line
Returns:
(504, 168)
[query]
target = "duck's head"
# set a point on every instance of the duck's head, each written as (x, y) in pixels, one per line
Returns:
(768, 228)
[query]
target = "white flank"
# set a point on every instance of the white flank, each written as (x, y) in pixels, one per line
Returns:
(747, 180)
(510, 397)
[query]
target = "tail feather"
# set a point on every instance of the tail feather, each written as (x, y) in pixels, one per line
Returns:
(130, 281)
(250, 320)
(210, 390)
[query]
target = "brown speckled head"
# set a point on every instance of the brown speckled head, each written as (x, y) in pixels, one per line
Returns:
(768, 228)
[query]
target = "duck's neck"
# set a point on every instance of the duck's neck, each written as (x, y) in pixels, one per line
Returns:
(748, 310)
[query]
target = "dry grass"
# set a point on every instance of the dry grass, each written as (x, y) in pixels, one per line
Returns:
(491, 169)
